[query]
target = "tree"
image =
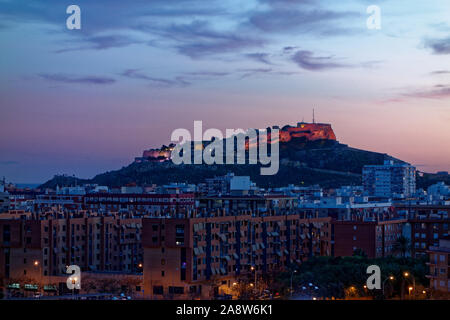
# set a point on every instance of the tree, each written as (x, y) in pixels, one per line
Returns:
(108, 285)
(359, 253)
(402, 246)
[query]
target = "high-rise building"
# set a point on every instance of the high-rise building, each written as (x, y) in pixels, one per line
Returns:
(390, 179)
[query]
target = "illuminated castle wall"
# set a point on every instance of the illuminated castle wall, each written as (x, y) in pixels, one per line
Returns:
(311, 131)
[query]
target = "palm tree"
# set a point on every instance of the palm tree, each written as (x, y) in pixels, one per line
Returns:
(402, 246)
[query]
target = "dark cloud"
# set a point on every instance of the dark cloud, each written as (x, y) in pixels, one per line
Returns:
(198, 38)
(438, 46)
(101, 43)
(249, 72)
(314, 21)
(259, 57)
(306, 60)
(72, 79)
(162, 82)
(253, 71)
(98, 16)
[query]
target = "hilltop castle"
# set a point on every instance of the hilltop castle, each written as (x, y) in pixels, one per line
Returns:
(310, 131)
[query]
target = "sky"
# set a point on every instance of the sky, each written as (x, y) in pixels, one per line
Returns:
(82, 102)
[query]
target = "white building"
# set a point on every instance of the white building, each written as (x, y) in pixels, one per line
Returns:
(439, 189)
(390, 180)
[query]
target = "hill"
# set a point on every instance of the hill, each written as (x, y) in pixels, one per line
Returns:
(325, 162)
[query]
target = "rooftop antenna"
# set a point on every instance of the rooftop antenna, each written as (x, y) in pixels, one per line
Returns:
(314, 121)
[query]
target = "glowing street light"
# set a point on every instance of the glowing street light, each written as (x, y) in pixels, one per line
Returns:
(391, 277)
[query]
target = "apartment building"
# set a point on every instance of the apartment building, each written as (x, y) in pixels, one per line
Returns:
(42, 246)
(390, 179)
(202, 256)
(139, 202)
(232, 203)
(439, 265)
(377, 238)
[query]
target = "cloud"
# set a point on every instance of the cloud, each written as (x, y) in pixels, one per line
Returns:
(117, 14)
(198, 39)
(437, 72)
(439, 91)
(101, 43)
(306, 60)
(161, 82)
(249, 72)
(313, 21)
(71, 79)
(259, 57)
(438, 46)
(207, 73)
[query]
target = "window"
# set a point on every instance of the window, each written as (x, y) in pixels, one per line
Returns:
(176, 290)
(158, 290)
(179, 234)
(6, 234)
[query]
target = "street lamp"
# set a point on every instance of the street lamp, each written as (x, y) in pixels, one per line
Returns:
(37, 264)
(406, 274)
(384, 282)
(292, 275)
(252, 268)
(74, 281)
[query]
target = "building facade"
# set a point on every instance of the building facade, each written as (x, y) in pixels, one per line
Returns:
(39, 248)
(205, 256)
(439, 265)
(375, 238)
(390, 179)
